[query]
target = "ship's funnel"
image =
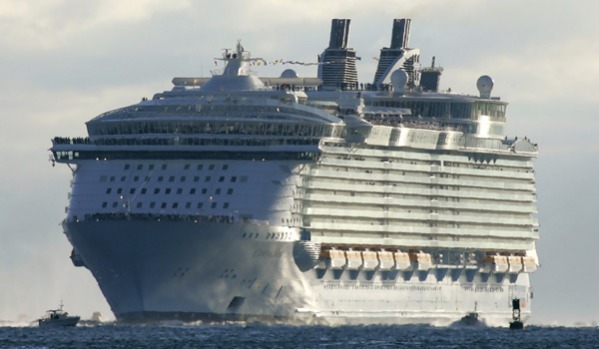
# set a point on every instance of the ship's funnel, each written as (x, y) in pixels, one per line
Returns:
(337, 68)
(339, 33)
(401, 33)
(398, 56)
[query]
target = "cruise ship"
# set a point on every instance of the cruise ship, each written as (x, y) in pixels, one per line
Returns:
(315, 200)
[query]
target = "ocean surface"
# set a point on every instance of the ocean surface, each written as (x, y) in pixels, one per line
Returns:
(278, 336)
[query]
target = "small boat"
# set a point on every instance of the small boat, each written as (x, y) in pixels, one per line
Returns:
(470, 319)
(58, 317)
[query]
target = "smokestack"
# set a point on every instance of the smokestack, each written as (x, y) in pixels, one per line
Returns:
(401, 33)
(339, 33)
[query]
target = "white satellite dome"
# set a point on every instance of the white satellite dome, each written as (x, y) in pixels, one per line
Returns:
(484, 84)
(399, 79)
(289, 73)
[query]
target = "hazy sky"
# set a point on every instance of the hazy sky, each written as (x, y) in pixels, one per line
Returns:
(63, 62)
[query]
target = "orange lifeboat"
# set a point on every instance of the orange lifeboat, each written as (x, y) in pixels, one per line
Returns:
(515, 264)
(370, 260)
(386, 261)
(495, 263)
(402, 260)
(334, 259)
(354, 259)
(529, 264)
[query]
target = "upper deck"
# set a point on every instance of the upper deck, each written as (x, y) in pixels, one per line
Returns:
(238, 112)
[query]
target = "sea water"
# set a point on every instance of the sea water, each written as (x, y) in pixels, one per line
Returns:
(243, 335)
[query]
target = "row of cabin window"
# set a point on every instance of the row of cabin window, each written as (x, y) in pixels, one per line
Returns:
(171, 179)
(179, 191)
(164, 205)
(186, 167)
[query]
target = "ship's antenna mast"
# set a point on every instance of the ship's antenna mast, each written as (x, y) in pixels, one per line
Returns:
(237, 60)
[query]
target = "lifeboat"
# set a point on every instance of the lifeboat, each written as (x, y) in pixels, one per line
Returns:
(386, 260)
(495, 263)
(515, 264)
(354, 259)
(529, 264)
(421, 260)
(334, 259)
(402, 260)
(370, 260)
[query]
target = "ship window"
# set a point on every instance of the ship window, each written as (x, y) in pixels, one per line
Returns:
(152, 204)
(136, 179)
(151, 167)
(123, 178)
(163, 205)
(108, 191)
(226, 205)
(200, 166)
(104, 204)
(115, 204)
(180, 191)
(157, 191)
(132, 191)
(229, 191)
(234, 179)
(217, 191)
(160, 179)
(204, 190)
(221, 179)
(196, 179)
(164, 166)
(175, 204)
(188, 205)
(144, 190)
(200, 204)
(171, 178)
(192, 191)
(211, 167)
(140, 167)
(139, 204)
(213, 205)
(225, 167)
(112, 178)
(147, 178)
(186, 167)
(167, 191)
(119, 191)
(243, 179)
(207, 178)
(182, 179)
(127, 166)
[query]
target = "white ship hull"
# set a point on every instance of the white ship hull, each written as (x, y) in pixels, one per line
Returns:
(212, 272)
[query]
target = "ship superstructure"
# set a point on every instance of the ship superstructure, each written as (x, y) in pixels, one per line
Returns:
(294, 199)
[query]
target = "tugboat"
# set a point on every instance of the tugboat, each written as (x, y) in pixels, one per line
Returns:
(58, 317)
(470, 319)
